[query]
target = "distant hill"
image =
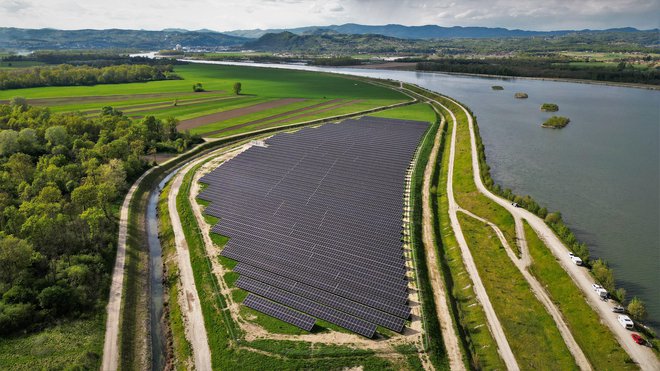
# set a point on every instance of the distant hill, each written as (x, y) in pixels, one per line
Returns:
(46, 38)
(319, 41)
(418, 32)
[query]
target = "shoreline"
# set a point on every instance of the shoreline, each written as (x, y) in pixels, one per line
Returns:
(401, 67)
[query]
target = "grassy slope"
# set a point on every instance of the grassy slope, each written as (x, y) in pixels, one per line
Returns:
(417, 111)
(594, 338)
(471, 315)
(182, 352)
(531, 332)
(74, 344)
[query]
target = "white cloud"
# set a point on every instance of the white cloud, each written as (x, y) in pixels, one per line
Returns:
(246, 14)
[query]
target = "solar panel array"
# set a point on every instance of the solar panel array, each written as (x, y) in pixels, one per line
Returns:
(280, 311)
(314, 220)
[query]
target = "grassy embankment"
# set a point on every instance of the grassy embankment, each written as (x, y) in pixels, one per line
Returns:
(468, 313)
(524, 319)
(595, 339)
(180, 347)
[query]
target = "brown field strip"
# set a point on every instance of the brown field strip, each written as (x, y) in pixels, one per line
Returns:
(230, 114)
(139, 107)
(310, 113)
(103, 98)
(283, 114)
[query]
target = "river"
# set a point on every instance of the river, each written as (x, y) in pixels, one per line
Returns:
(602, 171)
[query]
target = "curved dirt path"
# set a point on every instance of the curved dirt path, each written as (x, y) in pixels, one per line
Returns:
(480, 291)
(541, 295)
(643, 356)
(449, 336)
(196, 332)
(110, 360)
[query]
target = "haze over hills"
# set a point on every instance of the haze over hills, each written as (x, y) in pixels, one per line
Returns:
(418, 32)
(46, 38)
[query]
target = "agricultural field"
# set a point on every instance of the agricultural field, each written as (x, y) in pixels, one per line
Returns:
(268, 98)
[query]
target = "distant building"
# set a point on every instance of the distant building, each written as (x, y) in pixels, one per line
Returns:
(178, 47)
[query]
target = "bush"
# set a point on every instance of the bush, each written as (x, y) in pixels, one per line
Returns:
(198, 88)
(637, 309)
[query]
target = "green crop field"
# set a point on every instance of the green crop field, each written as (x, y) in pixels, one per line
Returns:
(417, 111)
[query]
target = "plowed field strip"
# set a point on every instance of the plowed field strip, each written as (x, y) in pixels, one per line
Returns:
(306, 114)
(137, 108)
(230, 114)
(269, 118)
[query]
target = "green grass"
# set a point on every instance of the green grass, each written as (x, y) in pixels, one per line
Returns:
(466, 308)
(181, 349)
(417, 111)
(595, 339)
(76, 344)
(313, 114)
(530, 330)
(264, 82)
(5, 65)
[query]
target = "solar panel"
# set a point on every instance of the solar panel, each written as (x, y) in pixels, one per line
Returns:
(299, 303)
(314, 218)
(279, 311)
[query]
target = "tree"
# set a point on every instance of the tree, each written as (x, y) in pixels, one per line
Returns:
(15, 256)
(57, 136)
(8, 142)
(603, 274)
(19, 102)
(637, 309)
(21, 167)
(197, 87)
(237, 88)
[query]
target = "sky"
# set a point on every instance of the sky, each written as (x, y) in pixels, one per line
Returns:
(225, 15)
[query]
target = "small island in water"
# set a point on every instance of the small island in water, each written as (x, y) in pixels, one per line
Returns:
(556, 122)
(497, 87)
(549, 107)
(521, 95)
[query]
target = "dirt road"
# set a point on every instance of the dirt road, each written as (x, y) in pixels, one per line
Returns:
(643, 356)
(449, 336)
(195, 330)
(111, 342)
(480, 291)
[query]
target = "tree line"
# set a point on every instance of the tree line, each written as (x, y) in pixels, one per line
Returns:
(68, 75)
(542, 67)
(62, 179)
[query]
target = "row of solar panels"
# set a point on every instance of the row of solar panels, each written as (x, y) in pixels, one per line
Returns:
(314, 220)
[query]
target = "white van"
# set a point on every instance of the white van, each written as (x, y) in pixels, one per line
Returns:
(626, 322)
(576, 260)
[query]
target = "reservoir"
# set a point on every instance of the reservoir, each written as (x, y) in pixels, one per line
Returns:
(602, 171)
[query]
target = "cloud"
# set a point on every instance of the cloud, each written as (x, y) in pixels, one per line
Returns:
(14, 6)
(226, 15)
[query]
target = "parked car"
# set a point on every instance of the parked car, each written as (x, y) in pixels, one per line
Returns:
(576, 260)
(515, 204)
(596, 286)
(604, 295)
(571, 254)
(618, 309)
(638, 339)
(626, 322)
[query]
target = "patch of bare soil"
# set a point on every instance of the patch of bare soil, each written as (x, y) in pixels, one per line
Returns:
(230, 114)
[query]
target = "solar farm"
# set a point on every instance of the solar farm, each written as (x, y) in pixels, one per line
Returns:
(314, 220)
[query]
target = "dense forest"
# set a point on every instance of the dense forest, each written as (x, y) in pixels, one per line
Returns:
(94, 58)
(62, 178)
(68, 75)
(544, 67)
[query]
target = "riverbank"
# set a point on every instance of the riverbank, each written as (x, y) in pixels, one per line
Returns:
(411, 66)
